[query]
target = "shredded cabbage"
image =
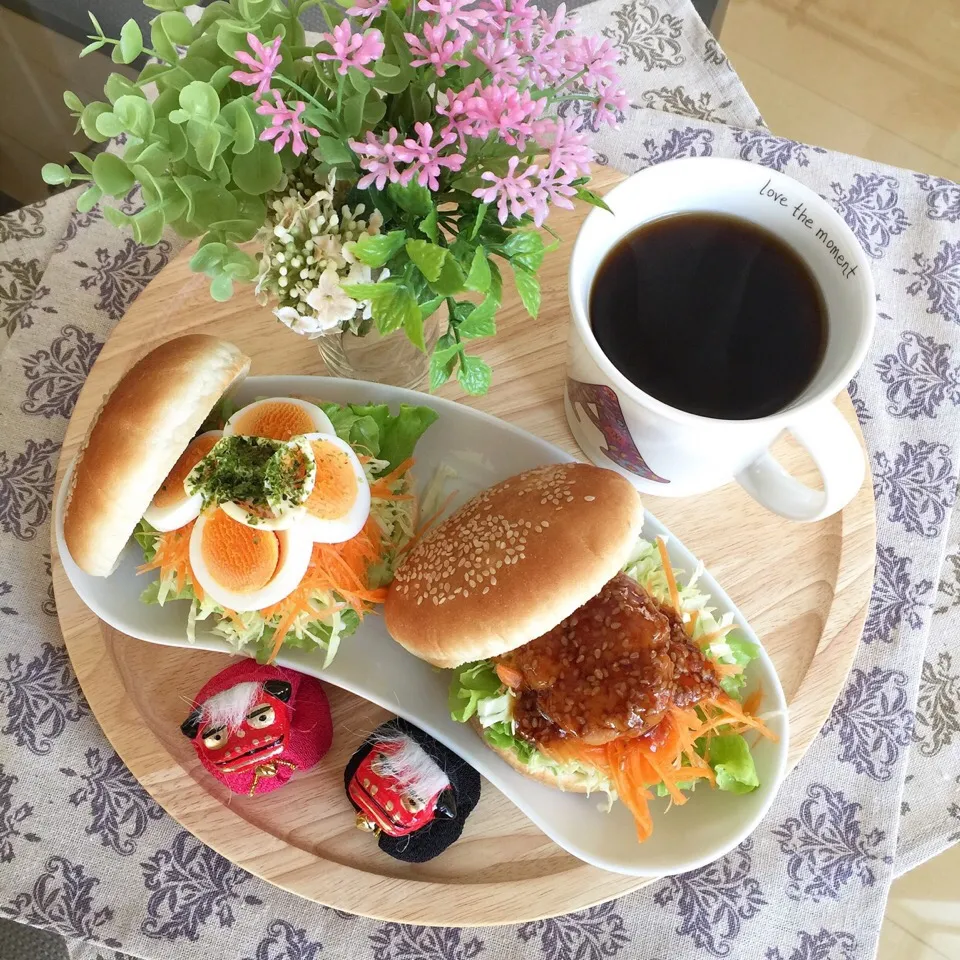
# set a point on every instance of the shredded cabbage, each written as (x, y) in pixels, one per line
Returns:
(476, 690)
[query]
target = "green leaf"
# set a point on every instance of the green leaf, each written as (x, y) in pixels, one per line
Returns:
(588, 196)
(481, 216)
(253, 11)
(72, 101)
(89, 199)
(529, 289)
(428, 225)
(733, 764)
(135, 114)
(442, 367)
(117, 217)
(239, 264)
(390, 82)
(450, 280)
(154, 157)
(207, 202)
(258, 171)
(108, 126)
(205, 139)
(333, 151)
(478, 278)
(55, 173)
(221, 77)
(236, 114)
(391, 304)
(374, 111)
(118, 86)
(90, 47)
(167, 4)
(358, 81)
(96, 23)
(525, 249)
(84, 161)
(178, 27)
(148, 226)
(111, 175)
(428, 257)
(353, 114)
(232, 37)
(413, 325)
(200, 101)
(221, 287)
(480, 322)
(429, 308)
(238, 231)
(474, 376)
(208, 258)
(161, 42)
(131, 42)
(378, 250)
(88, 120)
(411, 197)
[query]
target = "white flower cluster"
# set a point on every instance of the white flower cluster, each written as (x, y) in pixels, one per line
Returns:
(307, 255)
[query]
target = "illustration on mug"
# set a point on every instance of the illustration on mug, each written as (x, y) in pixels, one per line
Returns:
(602, 407)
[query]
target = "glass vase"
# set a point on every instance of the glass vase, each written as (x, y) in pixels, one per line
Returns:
(380, 358)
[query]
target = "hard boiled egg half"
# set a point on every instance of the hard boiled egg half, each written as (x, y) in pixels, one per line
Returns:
(172, 507)
(339, 503)
(279, 418)
(246, 568)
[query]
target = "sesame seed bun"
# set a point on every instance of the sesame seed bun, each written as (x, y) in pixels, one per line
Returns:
(142, 427)
(513, 562)
(568, 782)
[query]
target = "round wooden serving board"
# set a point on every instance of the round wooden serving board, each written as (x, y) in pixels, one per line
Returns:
(804, 588)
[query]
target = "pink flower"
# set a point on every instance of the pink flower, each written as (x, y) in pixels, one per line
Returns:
(452, 14)
(499, 56)
(379, 159)
(513, 192)
(439, 52)
(610, 104)
(569, 151)
(502, 16)
(597, 58)
(286, 124)
(423, 156)
(353, 49)
(552, 188)
(368, 10)
(453, 106)
(501, 107)
(262, 66)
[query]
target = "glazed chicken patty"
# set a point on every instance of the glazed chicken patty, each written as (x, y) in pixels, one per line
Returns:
(611, 669)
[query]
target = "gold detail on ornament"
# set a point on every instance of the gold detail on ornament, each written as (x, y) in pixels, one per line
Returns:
(264, 770)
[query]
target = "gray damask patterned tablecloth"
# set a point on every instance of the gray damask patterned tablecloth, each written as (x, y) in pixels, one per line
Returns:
(83, 849)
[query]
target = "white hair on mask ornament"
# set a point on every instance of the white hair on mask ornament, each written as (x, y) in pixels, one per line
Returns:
(229, 708)
(413, 768)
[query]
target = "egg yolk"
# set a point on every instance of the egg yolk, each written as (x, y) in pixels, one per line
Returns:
(278, 421)
(335, 488)
(171, 491)
(241, 559)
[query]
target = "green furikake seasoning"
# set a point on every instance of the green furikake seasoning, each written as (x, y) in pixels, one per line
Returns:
(234, 469)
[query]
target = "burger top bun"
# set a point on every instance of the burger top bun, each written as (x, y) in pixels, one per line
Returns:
(142, 427)
(513, 562)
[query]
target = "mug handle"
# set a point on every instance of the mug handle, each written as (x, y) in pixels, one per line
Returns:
(836, 452)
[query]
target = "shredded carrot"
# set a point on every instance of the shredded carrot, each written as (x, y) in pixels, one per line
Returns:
(727, 669)
(717, 634)
(668, 570)
(753, 701)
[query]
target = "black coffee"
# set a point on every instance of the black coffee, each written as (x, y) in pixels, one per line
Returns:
(710, 314)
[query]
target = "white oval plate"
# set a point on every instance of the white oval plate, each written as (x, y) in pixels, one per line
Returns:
(483, 450)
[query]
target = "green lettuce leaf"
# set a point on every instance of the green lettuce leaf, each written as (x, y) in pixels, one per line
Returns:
(500, 735)
(374, 430)
(734, 649)
(470, 684)
(147, 536)
(733, 764)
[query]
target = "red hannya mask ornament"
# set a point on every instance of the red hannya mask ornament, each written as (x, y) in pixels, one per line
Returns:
(255, 725)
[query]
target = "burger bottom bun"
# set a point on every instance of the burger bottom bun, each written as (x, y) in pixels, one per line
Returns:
(567, 782)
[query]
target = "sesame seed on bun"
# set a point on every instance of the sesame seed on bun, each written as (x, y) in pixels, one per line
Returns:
(513, 562)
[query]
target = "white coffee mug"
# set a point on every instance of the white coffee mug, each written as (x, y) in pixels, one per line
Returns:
(668, 452)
